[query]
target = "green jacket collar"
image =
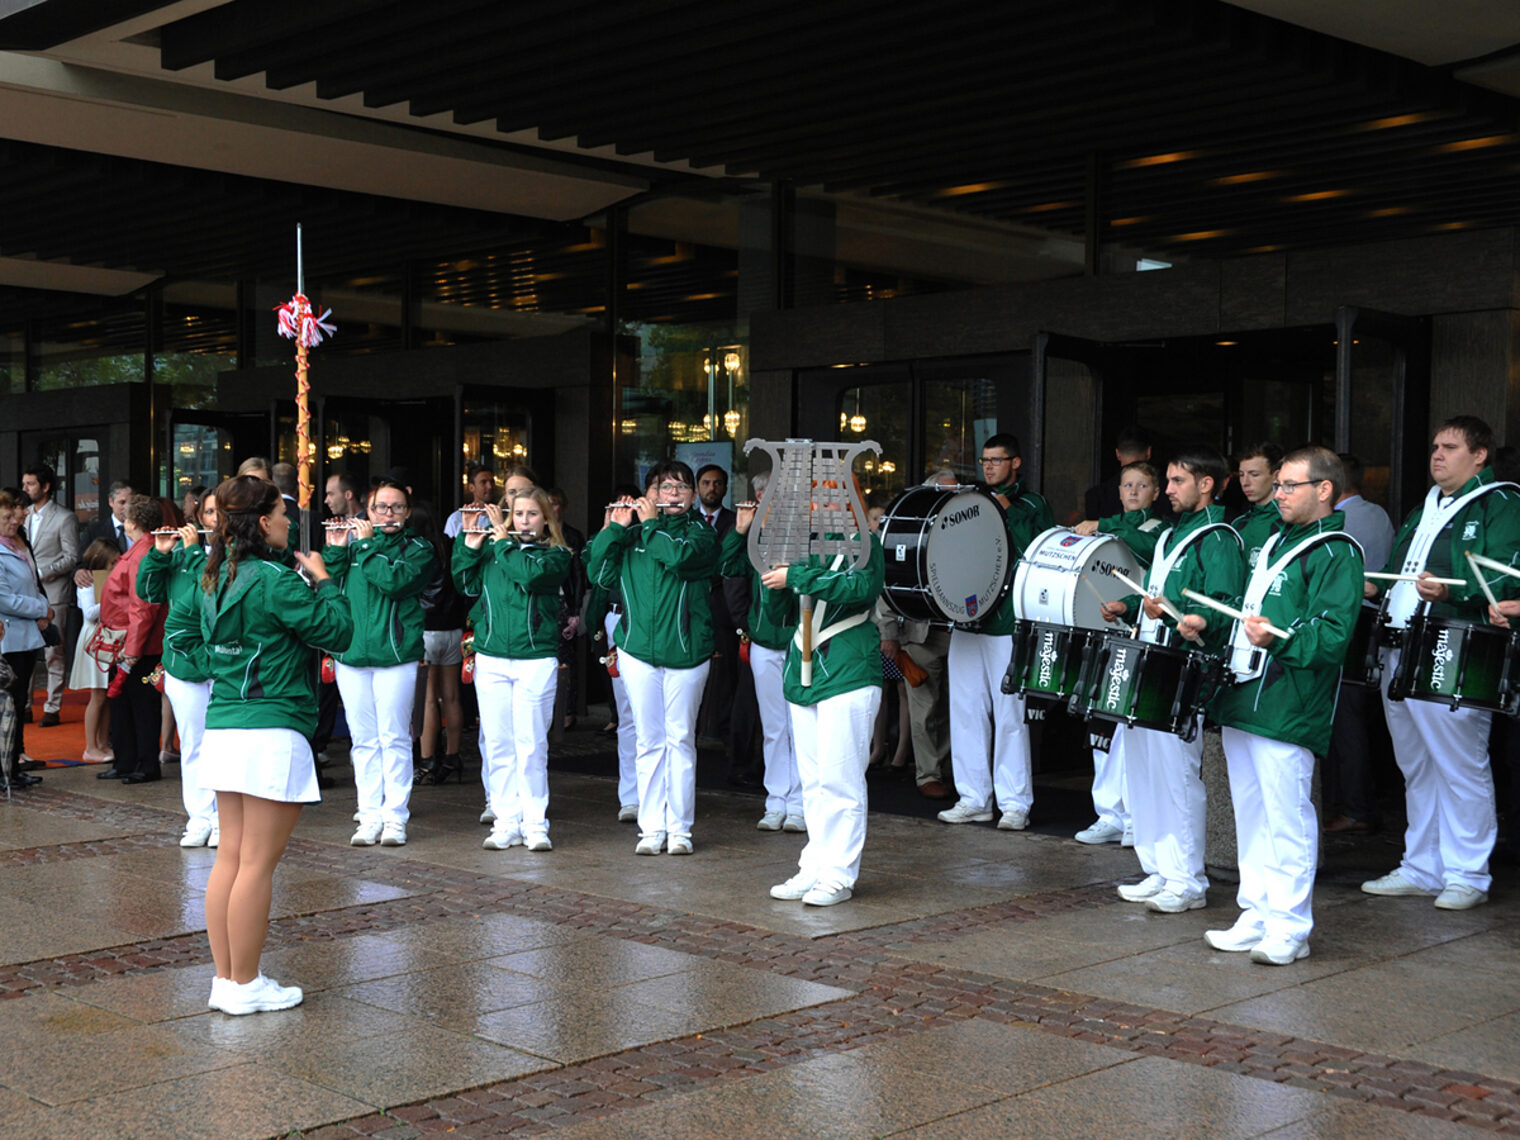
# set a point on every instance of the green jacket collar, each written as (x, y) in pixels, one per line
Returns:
(1291, 535)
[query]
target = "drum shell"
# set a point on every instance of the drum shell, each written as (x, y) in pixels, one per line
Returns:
(1363, 664)
(1458, 663)
(1047, 659)
(1048, 583)
(940, 543)
(1138, 683)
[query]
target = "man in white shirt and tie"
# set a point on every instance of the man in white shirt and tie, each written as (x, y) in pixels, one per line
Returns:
(54, 538)
(110, 526)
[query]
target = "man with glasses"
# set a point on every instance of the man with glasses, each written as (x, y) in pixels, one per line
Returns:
(989, 741)
(1255, 469)
(1448, 785)
(1277, 713)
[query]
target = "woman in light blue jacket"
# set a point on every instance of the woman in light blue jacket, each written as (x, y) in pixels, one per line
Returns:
(22, 605)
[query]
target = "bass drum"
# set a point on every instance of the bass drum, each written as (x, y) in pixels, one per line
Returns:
(949, 557)
(1064, 577)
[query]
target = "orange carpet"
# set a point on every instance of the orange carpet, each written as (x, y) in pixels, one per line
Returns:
(63, 745)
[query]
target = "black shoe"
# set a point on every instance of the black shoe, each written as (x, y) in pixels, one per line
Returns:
(142, 777)
(110, 774)
(50, 720)
(30, 765)
(20, 780)
(438, 769)
(325, 782)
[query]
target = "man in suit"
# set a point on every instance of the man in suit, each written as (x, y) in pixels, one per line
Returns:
(54, 538)
(1102, 499)
(723, 677)
(110, 526)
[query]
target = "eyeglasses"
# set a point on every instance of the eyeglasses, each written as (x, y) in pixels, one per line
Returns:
(996, 460)
(1291, 487)
(389, 508)
(672, 488)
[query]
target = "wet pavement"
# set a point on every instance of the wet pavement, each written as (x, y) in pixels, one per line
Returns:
(981, 984)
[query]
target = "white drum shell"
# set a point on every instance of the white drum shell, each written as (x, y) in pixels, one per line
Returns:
(1048, 582)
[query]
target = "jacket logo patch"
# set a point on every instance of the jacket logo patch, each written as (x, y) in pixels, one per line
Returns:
(1277, 586)
(1470, 531)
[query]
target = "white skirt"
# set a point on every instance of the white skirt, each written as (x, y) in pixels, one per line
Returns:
(86, 673)
(270, 763)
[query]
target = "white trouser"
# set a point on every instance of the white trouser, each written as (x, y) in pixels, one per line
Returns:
(665, 703)
(1448, 789)
(516, 698)
(987, 724)
(188, 699)
(377, 703)
(783, 787)
(1110, 797)
(833, 746)
(1276, 832)
(56, 656)
(1167, 806)
(628, 747)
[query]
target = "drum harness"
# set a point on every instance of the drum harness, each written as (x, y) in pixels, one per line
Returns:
(820, 608)
(1404, 596)
(1247, 661)
(1149, 627)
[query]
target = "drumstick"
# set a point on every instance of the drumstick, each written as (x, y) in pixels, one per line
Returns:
(1472, 560)
(1483, 560)
(1417, 578)
(1139, 589)
(1231, 611)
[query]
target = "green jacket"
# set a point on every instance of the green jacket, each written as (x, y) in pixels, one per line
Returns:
(665, 569)
(1254, 528)
(1316, 597)
(852, 659)
(768, 627)
(1211, 566)
(383, 577)
(259, 630)
(1028, 515)
(175, 578)
(517, 615)
(1489, 525)
(1138, 529)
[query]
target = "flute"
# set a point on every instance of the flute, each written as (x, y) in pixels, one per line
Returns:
(176, 530)
(747, 505)
(633, 506)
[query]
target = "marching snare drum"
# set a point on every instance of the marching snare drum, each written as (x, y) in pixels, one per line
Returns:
(1459, 663)
(1047, 659)
(949, 558)
(1364, 661)
(1048, 584)
(1137, 682)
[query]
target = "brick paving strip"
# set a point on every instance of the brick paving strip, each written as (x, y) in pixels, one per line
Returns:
(893, 997)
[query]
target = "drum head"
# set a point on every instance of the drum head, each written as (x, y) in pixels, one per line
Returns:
(969, 556)
(1064, 578)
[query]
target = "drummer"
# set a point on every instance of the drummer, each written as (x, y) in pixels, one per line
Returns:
(989, 741)
(1165, 784)
(1139, 526)
(1277, 712)
(1255, 469)
(1448, 785)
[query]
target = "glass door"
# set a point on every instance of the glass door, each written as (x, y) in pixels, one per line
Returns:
(1382, 402)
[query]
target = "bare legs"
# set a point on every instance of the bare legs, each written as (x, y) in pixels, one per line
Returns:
(97, 724)
(442, 688)
(254, 835)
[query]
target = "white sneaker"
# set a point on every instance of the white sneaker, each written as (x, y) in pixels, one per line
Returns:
(538, 841)
(628, 813)
(1394, 885)
(1129, 838)
(358, 817)
(650, 844)
(197, 832)
(1100, 832)
(678, 845)
(1279, 951)
(826, 894)
(770, 821)
(217, 986)
(1174, 902)
(793, 889)
(1144, 889)
(487, 816)
(1013, 820)
(262, 995)
(962, 812)
(1244, 935)
(795, 824)
(367, 836)
(1459, 896)
(393, 835)
(215, 839)
(502, 838)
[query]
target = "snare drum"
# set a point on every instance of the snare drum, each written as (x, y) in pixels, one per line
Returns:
(1459, 663)
(1064, 577)
(948, 555)
(1047, 659)
(1136, 682)
(1364, 661)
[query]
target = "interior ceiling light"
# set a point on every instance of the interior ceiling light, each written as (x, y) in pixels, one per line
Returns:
(1252, 176)
(1266, 249)
(1451, 226)
(1200, 235)
(1158, 159)
(1317, 195)
(1226, 343)
(1408, 120)
(1387, 212)
(1138, 219)
(1482, 143)
(969, 188)
(1048, 207)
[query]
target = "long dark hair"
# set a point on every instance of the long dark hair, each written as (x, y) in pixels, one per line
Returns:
(241, 502)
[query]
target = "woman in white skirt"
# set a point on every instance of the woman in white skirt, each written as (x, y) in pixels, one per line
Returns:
(260, 621)
(92, 661)
(516, 572)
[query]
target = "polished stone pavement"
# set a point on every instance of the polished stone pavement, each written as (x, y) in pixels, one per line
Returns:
(981, 984)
